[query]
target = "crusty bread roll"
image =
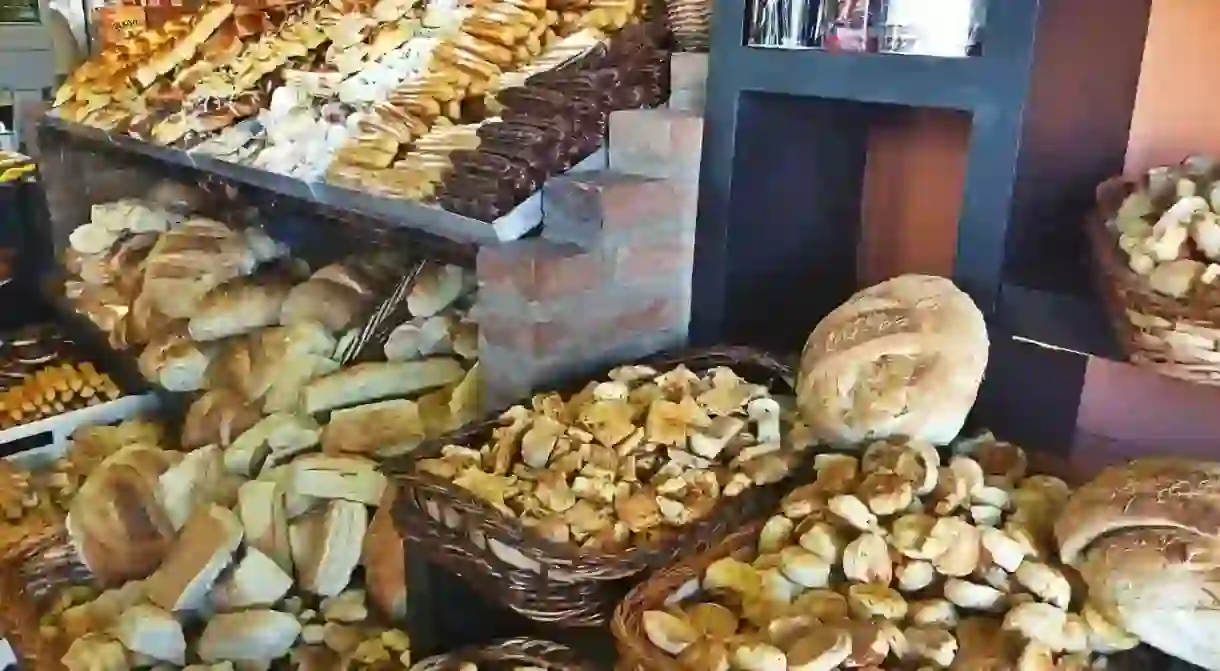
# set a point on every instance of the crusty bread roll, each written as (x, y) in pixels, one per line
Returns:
(385, 561)
(375, 380)
(276, 361)
(217, 418)
(203, 549)
(175, 362)
(436, 288)
(326, 547)
(237, 307)
(191, 260)
(1164, 492)
(393, 426)
(334, 305)
(902, 358)
(116, 521)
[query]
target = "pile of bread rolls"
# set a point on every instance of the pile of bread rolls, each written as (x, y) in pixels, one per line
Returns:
(222, 563)
(1144, 536)
(224, 313)
(897, 560)
(902, 358)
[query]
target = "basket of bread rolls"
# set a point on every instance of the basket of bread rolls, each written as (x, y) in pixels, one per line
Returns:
(168, 559)
(516, 654)
(1156, 257)
(898, 557)
(549, 505)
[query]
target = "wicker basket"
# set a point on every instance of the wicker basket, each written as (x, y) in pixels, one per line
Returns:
(506, 656)
(562, 584)
(31, 572)
(690, 21)
(635, 651)
(1176, 337)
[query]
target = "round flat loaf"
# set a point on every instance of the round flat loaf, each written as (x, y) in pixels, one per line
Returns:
(1160, 585)
(116, 522)
(1168, 492)
(901, 358)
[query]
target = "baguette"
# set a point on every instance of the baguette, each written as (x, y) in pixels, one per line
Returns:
(377, 380)
(391, 426)
(203, 549)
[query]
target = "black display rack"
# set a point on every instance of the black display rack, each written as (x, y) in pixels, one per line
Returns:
(785, 148)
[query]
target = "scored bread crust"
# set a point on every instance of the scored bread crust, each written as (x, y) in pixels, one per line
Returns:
(1160, 584)
(1167, 492)
(118, 526)
(904, 357)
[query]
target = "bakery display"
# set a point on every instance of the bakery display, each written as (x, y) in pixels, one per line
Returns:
(428, 101)
(902, 358)
(43, 374)
(1143, 535)
(297, 566)
(626, 460)
(226, 314)
(893, 558)
(44, 494)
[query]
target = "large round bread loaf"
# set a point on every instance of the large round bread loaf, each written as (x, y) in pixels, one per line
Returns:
(116, 522)
(902, 358)
(1146, 538)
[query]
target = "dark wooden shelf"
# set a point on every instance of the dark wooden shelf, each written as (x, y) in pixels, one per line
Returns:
(914, 81)
(785, 147)
(1063, 320)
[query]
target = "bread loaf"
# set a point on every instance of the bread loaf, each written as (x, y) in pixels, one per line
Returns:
(203, 549)
(375, 380)
(902, 358)
(334, 305)
(436, 288)
(175, 362)
(392, 426)
(1146, 538)
(217, 418)
(237, 307)
(385, 561)
(1165, 492)
(116, 521)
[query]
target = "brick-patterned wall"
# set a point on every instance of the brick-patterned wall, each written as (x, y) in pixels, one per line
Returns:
(609, 278)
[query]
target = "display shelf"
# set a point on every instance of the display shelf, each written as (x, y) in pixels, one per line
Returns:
(891, 79)
(388, 212)
(786, 146)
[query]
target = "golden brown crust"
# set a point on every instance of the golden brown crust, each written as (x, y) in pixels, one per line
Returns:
(121, 529)
(1165, 492)
(385, 562)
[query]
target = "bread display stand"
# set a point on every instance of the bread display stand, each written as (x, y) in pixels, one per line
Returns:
(426, 218)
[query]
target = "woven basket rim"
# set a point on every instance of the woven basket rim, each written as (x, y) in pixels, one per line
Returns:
(547, 655)
(20, 617)
(567, 557)
(627, 624)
